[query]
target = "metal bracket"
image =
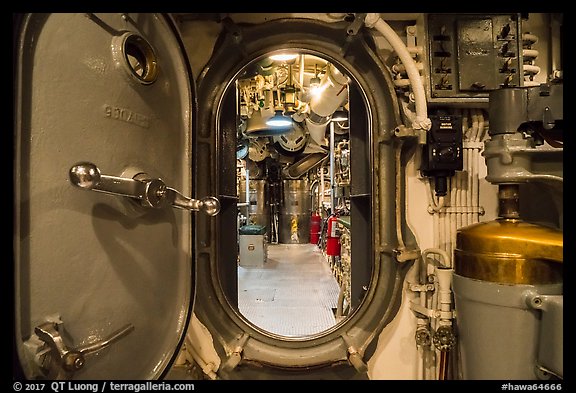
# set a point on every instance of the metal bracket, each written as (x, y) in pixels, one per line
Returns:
(235, 356)
(356, 24)
(403, 255)
(354, 357)
(402, 131)
(352, 31)
(235, 32)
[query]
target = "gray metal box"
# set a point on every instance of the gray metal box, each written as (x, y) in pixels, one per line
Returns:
(253, 250)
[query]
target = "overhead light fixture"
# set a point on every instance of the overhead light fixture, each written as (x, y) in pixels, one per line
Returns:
(289, 94)
(284, 57)
(339, 115)
(315, 82)
(279, 121)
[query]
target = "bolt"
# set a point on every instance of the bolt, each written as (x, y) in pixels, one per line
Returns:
(78, 363)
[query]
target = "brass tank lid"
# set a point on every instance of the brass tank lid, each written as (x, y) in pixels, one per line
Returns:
(510, 251)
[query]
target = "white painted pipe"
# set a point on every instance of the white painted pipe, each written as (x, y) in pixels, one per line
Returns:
(482, 125)
(466, 195)
(530, 69)
(475, 185)
(530, 38)
(441, 231)
(247, 196)
(434, 206)
(420, 364)
(469, 187)
(317, 131)
(321, 188)
(444, 276)
(401, 82)
(530, 53)
(436, 226)
(476, 164)
(433, 305)
(208, 368)
(422, 121)
(334, 92)
(401, 68)
(301, 71)
(452, 219)
(472, 182)
(422, 322)
(435, 250)
(473, 135)
(475, 125)
(458, 177)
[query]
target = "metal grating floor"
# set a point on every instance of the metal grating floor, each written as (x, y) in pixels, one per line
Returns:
(292, 295)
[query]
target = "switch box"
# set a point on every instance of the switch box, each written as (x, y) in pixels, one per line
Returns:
(442, 153)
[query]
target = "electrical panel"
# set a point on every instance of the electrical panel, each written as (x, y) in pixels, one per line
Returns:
(469, 55)
(442, 153)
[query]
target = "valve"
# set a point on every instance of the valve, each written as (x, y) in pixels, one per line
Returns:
(444, 338)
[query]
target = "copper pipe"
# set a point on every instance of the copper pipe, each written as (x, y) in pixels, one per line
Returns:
(443, 371)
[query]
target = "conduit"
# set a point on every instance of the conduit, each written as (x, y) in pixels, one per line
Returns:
(422, 122)
(459, 208)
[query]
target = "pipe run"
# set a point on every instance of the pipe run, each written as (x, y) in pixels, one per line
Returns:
(422, 122)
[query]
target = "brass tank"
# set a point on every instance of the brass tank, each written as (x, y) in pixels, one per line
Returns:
(510, 251)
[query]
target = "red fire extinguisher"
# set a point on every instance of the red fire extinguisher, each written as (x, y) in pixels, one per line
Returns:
(332, 237)
(315, 224)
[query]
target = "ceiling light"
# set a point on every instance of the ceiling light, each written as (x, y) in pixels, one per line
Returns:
(284, 57)
(339, 115)
(279, 120)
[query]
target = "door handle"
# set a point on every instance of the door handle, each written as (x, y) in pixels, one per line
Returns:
(72, 360)
(149, 192)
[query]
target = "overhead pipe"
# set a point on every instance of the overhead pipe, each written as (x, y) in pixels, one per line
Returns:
(334, 93)
(422, 122)
(300, 167)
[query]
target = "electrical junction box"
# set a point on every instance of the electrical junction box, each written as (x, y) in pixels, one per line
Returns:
(469, 55)
(443, 150)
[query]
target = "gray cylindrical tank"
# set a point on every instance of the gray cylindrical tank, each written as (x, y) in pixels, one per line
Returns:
(258, 212)
(499, 266)
(294, 223)
(498, 331)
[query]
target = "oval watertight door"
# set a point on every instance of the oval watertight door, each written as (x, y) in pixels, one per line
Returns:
(103, 175)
